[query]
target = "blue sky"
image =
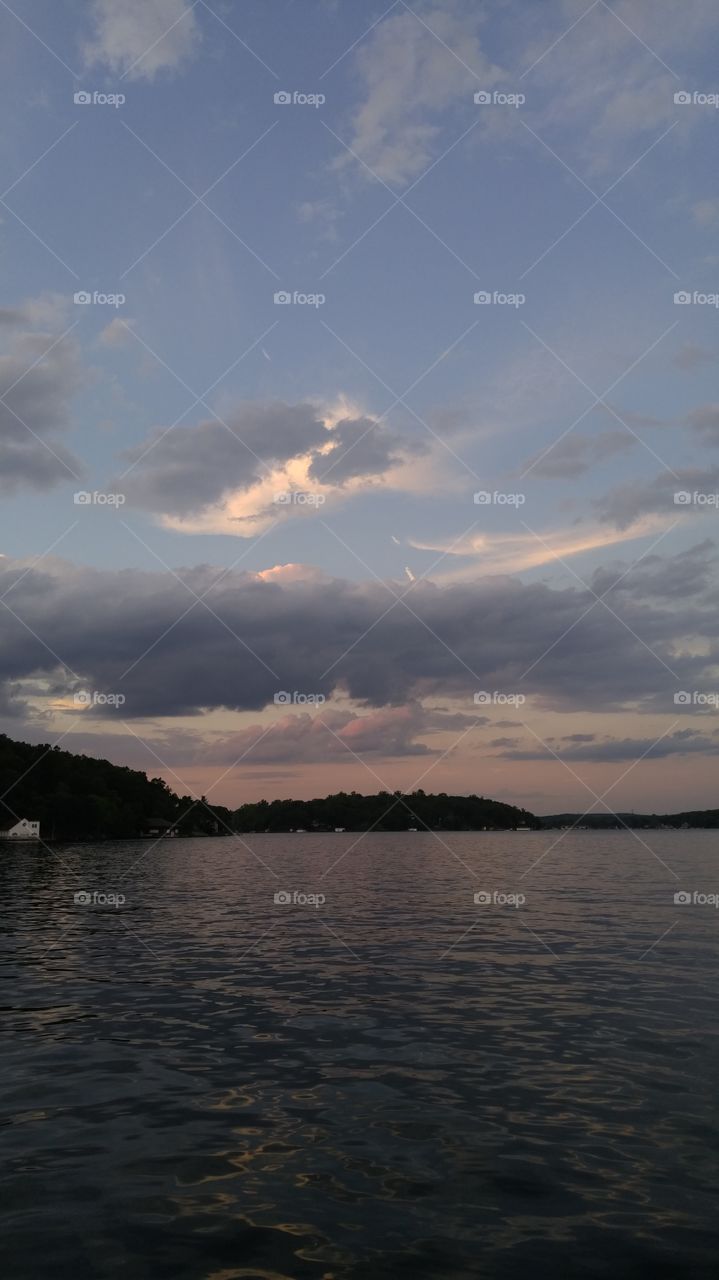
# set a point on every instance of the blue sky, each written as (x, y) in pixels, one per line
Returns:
(582, 197)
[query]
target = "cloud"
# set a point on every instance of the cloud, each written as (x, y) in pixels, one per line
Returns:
(412, 72)
(145, 635)
(141, 37)
(116, 333)
(185, 470)
(689, 573)
(225, 475)
(576, 454)
(705, 422)
(40, 373)
(329, 735)
(706, 212)
(617, 750)
(323, 215)
(360, 449)
(627, 504)
(500, 553)
(605, 83)
(691, 356)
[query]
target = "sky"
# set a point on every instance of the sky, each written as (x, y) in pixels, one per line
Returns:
(358, 413)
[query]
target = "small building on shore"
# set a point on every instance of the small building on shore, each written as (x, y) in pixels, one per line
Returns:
(25, 829)
(158, 827)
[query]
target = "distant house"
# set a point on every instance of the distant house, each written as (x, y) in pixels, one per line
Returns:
(158, 827)
(23, 830)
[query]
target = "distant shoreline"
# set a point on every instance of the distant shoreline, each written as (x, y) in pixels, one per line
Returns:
(606, 829)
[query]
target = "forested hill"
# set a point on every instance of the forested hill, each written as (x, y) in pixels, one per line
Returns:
(386, 811)
(81, 798)
(701, 818)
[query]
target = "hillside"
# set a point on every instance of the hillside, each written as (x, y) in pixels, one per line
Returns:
(81, 798)
(386, 811)
(612, 821)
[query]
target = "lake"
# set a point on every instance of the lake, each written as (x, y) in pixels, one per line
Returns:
(201, 1081)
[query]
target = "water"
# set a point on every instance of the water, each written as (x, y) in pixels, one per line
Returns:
(203, 1083)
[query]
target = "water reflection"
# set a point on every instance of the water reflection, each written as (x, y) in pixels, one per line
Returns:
(207, 1082)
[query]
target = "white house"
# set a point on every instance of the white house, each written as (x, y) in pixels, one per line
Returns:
(23, 830)
(158, 827)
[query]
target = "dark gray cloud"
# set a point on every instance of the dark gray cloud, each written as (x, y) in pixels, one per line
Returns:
(39, 376)
(188, 469)
(124, 632)
(34, 465)
(689, 573)
(360, 447)
(325, 735)
(617, 750)
(576, 454)
(183, 471)
(626, 504)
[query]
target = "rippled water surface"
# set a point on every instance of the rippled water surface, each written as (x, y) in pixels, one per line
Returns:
(398, 1082)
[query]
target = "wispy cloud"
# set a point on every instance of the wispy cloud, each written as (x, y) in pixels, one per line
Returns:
(141, 37)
